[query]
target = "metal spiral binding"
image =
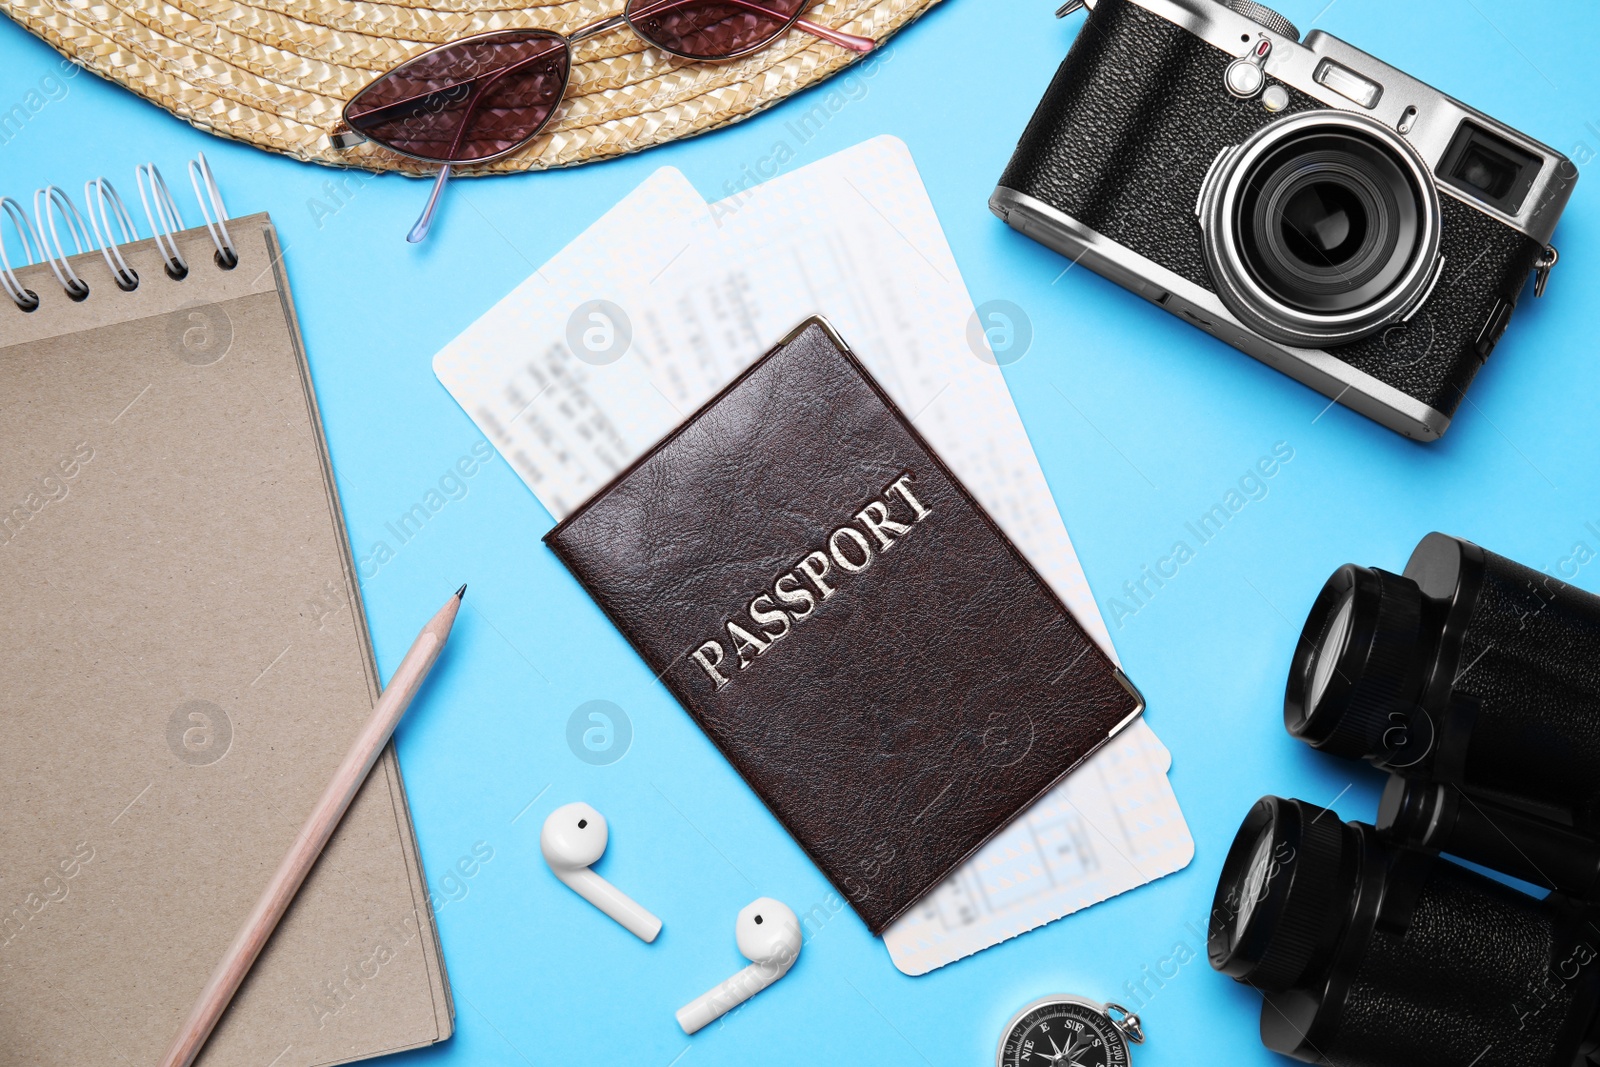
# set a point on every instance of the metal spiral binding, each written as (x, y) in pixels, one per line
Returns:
(165, 222)
(53, 207)
(101, 194)
(24, 298)
(200, 170)
(45, 203)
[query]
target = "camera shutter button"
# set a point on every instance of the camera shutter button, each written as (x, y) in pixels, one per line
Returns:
(1245, 76)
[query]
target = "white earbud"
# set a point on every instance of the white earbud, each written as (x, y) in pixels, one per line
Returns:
(573, 838)
(769, 936)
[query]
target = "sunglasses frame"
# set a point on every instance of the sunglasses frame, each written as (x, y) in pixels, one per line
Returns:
(349, 135)
(628, 16)
(566, 80)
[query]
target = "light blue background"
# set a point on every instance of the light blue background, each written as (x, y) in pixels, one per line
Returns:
(1162, 422)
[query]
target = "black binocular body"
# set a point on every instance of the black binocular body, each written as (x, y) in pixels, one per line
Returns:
(1474, 681)
(1468, 669)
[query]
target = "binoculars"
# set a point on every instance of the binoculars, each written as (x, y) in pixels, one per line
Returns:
(1475, 682)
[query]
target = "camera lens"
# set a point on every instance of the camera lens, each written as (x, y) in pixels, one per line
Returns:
(1328, 221)
(1356, 674)
(1276, 905)
(1324, 222)
(1320, 229)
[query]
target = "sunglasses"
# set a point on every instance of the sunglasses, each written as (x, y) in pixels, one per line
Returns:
(485, 96)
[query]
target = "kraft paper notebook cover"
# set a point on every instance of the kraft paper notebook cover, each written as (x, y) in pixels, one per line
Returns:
(185, 661)
(845, 622)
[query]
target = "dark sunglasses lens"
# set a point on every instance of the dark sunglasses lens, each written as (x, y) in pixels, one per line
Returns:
(467, 102)
(711, 29)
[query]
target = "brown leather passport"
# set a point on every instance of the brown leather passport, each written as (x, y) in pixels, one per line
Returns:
(845, 622)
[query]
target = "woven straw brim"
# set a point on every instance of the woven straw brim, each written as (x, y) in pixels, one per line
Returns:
(276, 73)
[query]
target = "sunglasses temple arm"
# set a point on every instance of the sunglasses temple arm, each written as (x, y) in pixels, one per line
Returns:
(420, 230)
(596, 28)
(425, 220)
(838, 37)
(468, 115)
(815, 29)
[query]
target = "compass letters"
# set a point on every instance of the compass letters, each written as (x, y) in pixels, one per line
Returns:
(1064, 1031)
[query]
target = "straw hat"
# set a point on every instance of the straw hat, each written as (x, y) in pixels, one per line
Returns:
(275, 73)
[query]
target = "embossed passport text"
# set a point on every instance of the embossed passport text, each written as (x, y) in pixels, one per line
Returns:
(845, 622)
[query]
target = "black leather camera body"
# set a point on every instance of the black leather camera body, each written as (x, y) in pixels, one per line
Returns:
(1307, 203)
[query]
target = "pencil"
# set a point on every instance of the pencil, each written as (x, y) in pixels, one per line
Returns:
(313, 837)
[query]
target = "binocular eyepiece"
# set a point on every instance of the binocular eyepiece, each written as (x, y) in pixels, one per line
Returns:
(1475, 681)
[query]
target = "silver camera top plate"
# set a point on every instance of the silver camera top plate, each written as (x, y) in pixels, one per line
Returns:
(1426, 117)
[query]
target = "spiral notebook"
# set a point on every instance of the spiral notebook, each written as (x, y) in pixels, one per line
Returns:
(185, 661)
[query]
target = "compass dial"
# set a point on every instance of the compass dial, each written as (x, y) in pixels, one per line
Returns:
(1058, 1032)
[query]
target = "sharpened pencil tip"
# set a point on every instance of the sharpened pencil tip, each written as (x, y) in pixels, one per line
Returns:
(461, 592)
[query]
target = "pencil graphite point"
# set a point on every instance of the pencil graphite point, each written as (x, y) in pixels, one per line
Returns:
(461, 592)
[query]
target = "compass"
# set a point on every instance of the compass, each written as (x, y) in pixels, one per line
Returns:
(1066, 1031)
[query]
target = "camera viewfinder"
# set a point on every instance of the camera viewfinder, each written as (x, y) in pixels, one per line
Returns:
(1489, 168)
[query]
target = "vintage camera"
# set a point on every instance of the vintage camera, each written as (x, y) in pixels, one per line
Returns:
(1372, 951)
(1304, 202)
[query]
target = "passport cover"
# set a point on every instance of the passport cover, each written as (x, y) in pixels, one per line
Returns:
(845, 622)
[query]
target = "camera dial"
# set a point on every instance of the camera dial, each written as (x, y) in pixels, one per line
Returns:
(1321, 229)
(1265, 16)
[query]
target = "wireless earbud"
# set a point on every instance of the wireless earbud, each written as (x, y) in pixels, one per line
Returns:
(573, 838)
(769, 936)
